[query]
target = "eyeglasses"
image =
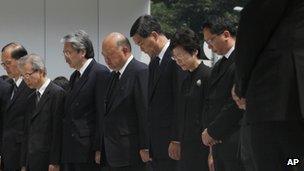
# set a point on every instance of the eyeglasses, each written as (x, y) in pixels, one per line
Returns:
(27, 75)
(211, 41)
(68, 53)
(6, 63)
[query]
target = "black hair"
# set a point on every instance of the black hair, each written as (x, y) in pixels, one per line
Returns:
(18, 50)
(144, 25)
(219, 24)
(187, 39)
(62, 82)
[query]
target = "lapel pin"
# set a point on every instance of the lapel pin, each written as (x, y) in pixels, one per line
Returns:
(199, 82)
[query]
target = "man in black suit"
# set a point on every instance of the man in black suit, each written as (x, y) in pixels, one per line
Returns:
(42, 145)
(14, 113)
(221, 115)
(83, 104)
(124, 134)
(270, 72)
(162, 90)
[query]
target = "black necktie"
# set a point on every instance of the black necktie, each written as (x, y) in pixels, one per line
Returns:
(113, 85)
(14, 88)
(38, 96)
(222, 63)
(76, 78)
(154, 69)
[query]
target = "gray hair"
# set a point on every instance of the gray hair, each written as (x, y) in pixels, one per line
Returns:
(33, 59)
(80, 42)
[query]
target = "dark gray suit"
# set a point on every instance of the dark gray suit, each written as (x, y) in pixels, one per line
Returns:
(42, 146)
(13, 127)
(124, 124)
(164, 83)
(222, 116)
(83, 107)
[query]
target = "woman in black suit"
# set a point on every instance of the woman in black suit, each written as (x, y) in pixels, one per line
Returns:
(186, 52)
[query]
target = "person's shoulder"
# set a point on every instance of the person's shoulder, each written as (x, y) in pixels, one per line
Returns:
(56, 88)
(139, 65)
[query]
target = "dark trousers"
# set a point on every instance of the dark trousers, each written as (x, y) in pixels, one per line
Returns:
(274, 143)
(226, 156)
(80, 167)
(194, 156)
(245, 149)
(164, 165)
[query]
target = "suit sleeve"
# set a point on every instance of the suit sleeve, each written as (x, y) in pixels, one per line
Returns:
(141, 100)
(228, 120)
(100, 89)
(4, 93)
(57, 116)
(258, 22)
(24, 143)
(178, 78)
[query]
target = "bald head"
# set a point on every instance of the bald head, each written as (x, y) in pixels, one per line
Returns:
(118, 40)
(116, 49)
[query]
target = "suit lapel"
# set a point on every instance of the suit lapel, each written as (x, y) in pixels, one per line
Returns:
(82, 80)
(21, 87)
(44, 98)
(163, 66)
(216, 76)
(121, 91)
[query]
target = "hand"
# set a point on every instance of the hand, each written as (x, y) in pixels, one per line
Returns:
(54, 167)
(208, 140)
(210, 161)
(241, 102)
(174, 150)
(97, 157)
(23, 168)
(145, 156)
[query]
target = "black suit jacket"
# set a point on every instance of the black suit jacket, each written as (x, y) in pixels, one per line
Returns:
(83, 106)
(42, 146)
(4, 95)
(162, 96)
(269, 60)
(13, 127)
(191, 103)
(221, 114)
(124, 125)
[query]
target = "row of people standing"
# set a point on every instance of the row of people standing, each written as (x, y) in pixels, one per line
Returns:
(117, 120)
(158, 114)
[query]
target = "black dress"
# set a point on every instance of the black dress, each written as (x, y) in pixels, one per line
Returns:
(194, 154)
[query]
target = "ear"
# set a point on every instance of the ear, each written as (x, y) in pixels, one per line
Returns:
(83, 53)
(226, 34)
(154, 34)
(195, 53)
(125, 49)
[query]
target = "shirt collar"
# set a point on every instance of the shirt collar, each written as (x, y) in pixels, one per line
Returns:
(163, 51)
(44, 86)
(84, 66)
(125, 65)
(18, 82)
(229, 52)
